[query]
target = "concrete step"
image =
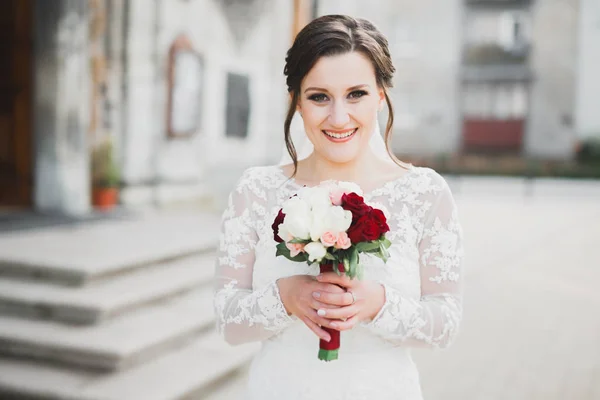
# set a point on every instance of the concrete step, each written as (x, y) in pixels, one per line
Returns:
(187, 372)
(78, 254)
(110, 297)
(118, 343)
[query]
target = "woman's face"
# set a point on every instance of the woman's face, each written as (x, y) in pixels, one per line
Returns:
(339, 100)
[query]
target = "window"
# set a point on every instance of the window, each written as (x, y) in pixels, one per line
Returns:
(499, 101)
(238, 105)
(512, 30)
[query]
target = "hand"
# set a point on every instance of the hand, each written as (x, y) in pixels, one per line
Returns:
(369, 295)
(296, 294)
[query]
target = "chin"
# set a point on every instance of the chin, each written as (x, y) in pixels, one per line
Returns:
(342, 153)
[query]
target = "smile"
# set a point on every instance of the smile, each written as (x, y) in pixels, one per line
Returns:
(340, 136)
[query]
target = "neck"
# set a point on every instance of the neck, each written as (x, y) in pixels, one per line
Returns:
(357, 170)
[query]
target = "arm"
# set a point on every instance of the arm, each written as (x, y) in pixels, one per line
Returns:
(433, 320)
(243, 314)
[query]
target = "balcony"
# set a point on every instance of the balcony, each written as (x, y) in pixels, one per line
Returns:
(495, 54)
(498, 4)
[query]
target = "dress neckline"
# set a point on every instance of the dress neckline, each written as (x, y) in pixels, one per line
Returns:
(367, 194)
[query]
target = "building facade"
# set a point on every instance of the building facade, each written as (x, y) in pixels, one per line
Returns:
(191, 91)
(185, 90)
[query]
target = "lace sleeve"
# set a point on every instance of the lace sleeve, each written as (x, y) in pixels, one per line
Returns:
(433, 320)
(243, 314)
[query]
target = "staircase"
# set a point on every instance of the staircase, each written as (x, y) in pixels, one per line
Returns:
(115, 310)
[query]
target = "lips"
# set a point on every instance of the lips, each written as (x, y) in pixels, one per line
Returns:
(340, 136)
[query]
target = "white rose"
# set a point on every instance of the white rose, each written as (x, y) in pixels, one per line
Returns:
(338, 219)
(297, 218)
(296, 206)
(283, 233)
(318, 224)
(316, 251)
(318, 198)
(296, 225)
(349, 187)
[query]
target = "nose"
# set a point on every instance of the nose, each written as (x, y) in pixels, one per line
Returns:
(338, 115)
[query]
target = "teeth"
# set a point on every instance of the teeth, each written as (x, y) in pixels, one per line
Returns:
(338, 135)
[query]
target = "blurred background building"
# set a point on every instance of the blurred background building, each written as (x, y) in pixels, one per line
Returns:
(168, 99)
(151, 104)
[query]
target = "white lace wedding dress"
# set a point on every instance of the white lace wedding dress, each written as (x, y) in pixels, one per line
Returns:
(422, 281)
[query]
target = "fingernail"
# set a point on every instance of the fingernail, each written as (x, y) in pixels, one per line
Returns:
(321, 312)
(316, 294)
(327, 338)
(319, 277)
(333, 325)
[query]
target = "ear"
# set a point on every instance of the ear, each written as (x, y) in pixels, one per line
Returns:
(298, 108)
(381, 100)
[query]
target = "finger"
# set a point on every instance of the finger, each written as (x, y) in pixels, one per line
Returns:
(337, 299)
(339, 313)
(317, 319)
(346, 325)
(316, 305)
(330, 287)
(332, 277)
(320, 332)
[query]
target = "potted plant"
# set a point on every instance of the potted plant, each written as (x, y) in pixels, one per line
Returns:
(105, 176)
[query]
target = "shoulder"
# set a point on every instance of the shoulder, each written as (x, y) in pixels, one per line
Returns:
(427, 181)
(257, 180)
(256, 174)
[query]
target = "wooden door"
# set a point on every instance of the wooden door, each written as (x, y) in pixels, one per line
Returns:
(15, 102)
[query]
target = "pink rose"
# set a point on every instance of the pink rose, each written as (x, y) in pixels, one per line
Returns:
(335, 195)
(329, 239)
(295, 248)
(343, 241)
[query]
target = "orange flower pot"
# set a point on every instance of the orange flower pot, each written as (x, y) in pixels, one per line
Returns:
(104, 198)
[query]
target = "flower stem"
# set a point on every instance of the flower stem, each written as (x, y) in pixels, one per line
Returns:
(328, 351)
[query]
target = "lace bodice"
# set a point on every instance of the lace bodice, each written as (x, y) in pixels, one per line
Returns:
(422, 278)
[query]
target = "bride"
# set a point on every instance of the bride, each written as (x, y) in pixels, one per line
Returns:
(338, 72)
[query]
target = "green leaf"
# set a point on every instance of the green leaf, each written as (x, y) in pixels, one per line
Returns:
(298, 240)
(353, 263)
(329, 257)
(282, 250)
(384, 253)
(367, 246)
(346, 264)
(386, 242)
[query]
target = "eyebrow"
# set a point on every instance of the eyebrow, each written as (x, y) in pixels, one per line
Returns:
(325, 90)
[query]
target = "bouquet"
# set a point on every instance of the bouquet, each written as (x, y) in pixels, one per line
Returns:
(331, 224)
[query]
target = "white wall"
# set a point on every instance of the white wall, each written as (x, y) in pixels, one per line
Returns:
(61, 108)
(588, 67)
(550, 129)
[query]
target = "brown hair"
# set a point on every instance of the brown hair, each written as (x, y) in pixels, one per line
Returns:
(331, 35)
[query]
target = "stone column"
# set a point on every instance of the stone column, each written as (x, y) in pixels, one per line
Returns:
(61, 106)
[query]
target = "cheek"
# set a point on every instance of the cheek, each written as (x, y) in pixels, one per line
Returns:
(314, 115)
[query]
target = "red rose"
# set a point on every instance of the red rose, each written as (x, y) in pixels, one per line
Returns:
(364, 230)
(379, 217)
(368, 227)
(355, 204)
(278, 221)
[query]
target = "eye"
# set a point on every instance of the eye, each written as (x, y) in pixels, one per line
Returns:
(357, 94)
(318, 97)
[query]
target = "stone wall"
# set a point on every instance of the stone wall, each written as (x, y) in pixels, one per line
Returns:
(248, 39)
